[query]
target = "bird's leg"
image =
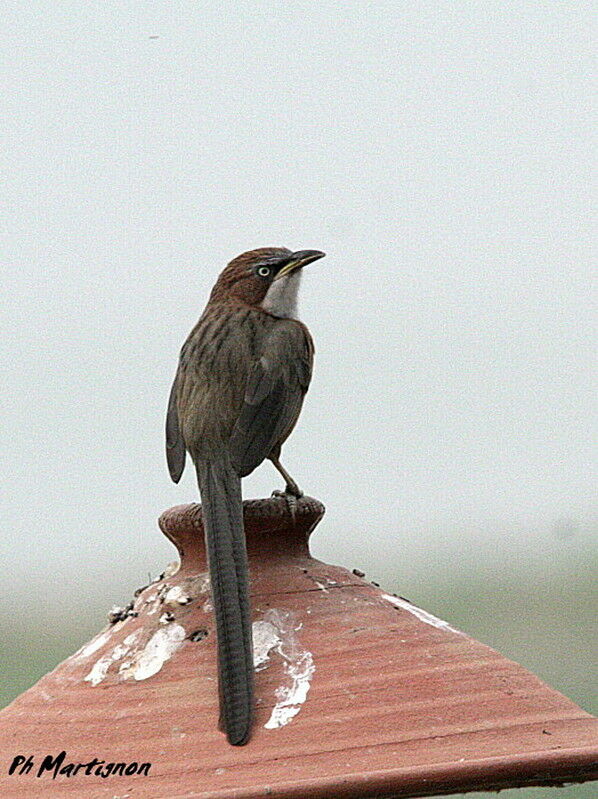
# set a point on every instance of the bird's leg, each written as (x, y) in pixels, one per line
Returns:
(291, 487)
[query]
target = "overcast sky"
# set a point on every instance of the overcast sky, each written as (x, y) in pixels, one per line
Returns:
(437, 151)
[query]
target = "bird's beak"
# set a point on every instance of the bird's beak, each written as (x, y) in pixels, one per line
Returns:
(298, 260)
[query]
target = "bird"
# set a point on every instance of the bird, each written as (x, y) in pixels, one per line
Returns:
(242, 375)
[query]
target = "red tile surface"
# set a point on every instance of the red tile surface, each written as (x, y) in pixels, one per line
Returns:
(399, 704)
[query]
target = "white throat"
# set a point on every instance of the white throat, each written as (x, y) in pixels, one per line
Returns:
(281, 299)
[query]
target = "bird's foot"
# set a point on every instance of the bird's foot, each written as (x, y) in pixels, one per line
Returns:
(291, 489)
(291, 495)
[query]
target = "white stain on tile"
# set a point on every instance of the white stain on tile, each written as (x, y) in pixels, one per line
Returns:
(171, 569)
(176, 596)
(277, 632)
(160, 648)
(289, 698)
(93, 646)
(101, 666)
(153, 602)
(205, 588)
(422, 615)
(265, 639)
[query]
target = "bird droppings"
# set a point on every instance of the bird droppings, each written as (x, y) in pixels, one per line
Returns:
(266, 637)
(422, 615)
(277, 632)
(93, 646)
(160, 648)
(115, 614)
(153, 602)
(120, 614)
(198, 635)
(136, 662)
(320, 585)
(203, 586)
(100, 668)
(290, 698)
(177, 596)
(170, 570)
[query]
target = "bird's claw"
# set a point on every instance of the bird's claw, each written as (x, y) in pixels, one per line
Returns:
(291, 490)
(294, 491)
(291, 495)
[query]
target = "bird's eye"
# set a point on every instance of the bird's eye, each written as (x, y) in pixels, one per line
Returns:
(263, 271)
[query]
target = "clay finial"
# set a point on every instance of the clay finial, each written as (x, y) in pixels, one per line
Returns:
(273, 527)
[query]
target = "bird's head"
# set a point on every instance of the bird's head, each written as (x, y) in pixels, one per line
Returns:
(267, 277)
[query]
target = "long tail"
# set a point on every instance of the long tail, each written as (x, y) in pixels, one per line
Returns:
(220, 490)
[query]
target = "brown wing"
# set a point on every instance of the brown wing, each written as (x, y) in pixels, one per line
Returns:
(274, 395)
(175, 446)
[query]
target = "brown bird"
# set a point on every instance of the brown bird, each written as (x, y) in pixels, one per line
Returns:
(238, 391)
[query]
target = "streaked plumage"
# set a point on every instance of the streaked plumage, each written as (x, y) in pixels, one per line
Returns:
(242, 376)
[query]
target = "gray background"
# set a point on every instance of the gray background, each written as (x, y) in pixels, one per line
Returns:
(438, 152)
